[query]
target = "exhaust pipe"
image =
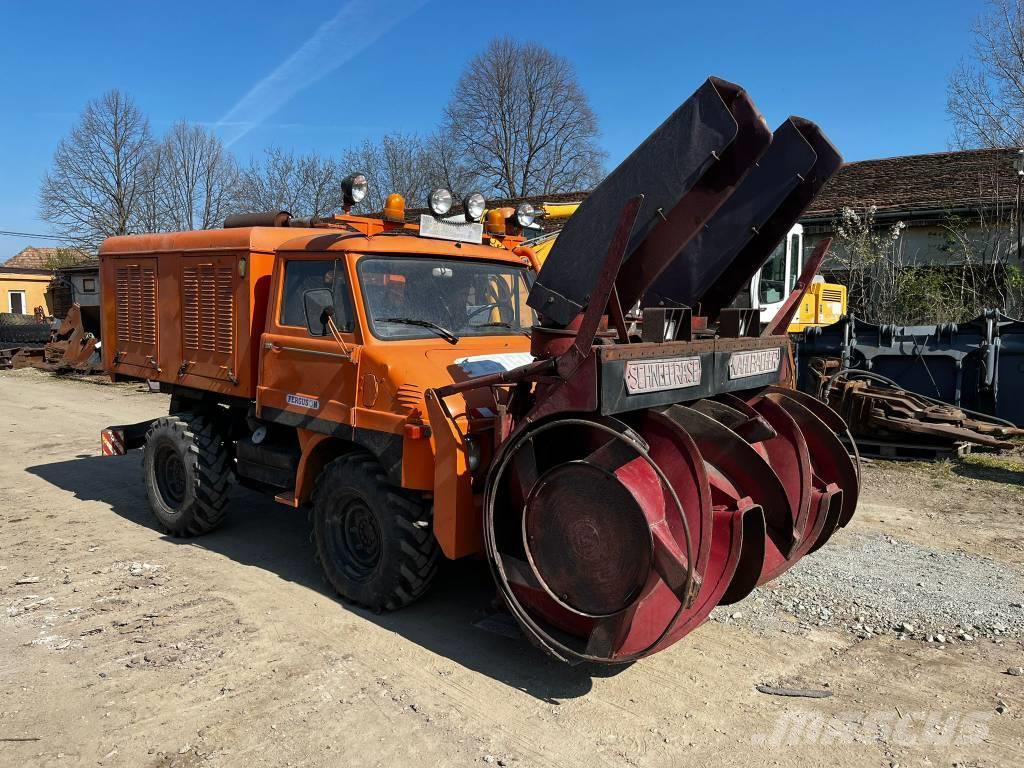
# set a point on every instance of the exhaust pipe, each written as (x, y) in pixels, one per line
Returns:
(262, 219)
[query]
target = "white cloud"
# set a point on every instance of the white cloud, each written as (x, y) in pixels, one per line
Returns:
(357, 25)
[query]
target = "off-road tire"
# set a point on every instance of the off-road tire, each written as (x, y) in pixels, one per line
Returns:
(353, 504)
(188, 472)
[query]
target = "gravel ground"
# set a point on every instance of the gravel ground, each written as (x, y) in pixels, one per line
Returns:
(872, 584)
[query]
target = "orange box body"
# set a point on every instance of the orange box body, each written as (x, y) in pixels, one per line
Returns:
(189, 310)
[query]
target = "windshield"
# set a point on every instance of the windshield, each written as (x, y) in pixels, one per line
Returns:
(415, 298)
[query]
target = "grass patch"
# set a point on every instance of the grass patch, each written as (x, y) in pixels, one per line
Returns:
(992, 467)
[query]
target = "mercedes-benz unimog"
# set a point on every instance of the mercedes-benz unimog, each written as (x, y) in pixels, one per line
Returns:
(606, 431)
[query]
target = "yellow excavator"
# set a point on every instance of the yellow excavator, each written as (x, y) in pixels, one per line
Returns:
(823, 304)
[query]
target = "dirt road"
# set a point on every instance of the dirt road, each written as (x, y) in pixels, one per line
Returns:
(121, 646)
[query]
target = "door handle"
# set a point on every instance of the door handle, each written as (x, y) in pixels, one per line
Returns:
(275, 347)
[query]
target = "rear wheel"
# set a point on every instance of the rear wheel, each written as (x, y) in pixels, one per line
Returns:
(187, 469)
(373, 541)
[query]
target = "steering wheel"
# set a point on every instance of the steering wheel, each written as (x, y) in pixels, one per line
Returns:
(479, 310)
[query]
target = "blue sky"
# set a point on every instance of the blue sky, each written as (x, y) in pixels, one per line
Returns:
(325, 75)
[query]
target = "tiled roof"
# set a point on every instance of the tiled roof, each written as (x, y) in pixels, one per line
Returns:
(39, 258)
(943, 180)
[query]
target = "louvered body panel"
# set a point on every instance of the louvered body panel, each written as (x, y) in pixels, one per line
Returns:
(208, 315)
(135, 308)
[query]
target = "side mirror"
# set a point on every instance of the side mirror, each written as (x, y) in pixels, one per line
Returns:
(318, 304)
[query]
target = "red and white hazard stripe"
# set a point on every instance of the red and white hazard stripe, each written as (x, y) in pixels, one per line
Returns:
(112, 442)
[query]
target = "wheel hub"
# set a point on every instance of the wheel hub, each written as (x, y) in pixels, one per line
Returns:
(171, 476)
(355, 537)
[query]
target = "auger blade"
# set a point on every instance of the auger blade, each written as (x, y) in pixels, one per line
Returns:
(737, 471)
(832, 462)
(613, 544)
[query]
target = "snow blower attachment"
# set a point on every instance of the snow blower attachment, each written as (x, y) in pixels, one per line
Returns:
(645, 472)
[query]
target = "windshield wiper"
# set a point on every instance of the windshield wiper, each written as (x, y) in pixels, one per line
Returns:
(440, 330)
(502, 324)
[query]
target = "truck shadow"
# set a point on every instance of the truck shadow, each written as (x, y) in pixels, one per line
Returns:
(263, 534)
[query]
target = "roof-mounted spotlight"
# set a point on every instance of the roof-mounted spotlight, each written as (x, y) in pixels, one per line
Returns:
(353, 189)
(474, 206)
(440, 201)
(526, 214)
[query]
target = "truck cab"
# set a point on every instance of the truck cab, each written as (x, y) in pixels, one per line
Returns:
(822, 304)
(356, 334)
(773, 283)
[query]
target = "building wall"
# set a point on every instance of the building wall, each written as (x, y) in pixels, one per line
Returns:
(929, 244)
(86, 288)
(34, 285)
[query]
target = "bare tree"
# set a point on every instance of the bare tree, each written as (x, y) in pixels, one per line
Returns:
(305, 185)
(151, 213)
(196, 176)
(523, 124)
(397, 163)
(985, 95)
(92, 190)
(446, 167)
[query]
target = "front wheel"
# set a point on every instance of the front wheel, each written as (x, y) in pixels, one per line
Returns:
(373, 541)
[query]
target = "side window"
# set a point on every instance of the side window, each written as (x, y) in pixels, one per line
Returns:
(301, 276)
(773, 276)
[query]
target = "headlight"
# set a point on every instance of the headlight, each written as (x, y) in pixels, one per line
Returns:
(354, 188)
(525, 214)
(474, 206)
(440, 201)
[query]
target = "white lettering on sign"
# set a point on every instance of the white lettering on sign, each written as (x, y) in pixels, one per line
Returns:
(659, 375)
(754, 363)
(304, 402)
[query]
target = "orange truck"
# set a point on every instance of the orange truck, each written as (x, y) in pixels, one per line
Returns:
(297, 354)
(428, 390)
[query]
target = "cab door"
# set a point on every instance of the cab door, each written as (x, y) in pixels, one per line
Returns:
(307, 376)
(777, 278)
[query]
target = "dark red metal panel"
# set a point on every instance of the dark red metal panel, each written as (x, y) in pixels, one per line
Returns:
(753, 255)
(686, 168)
(716, 248)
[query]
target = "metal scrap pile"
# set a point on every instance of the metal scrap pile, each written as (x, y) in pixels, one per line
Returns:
(875, 407)
(69, 348)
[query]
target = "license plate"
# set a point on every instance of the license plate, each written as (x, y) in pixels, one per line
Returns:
(459, 231)
(301, 401)
(659, 375)
(754, 363)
